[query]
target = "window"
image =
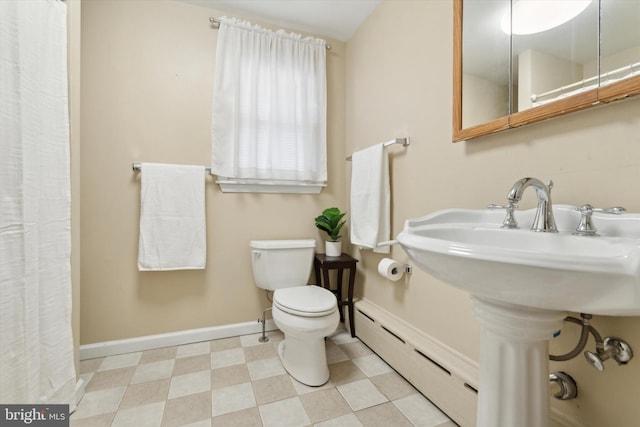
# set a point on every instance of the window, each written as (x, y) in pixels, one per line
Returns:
(269, 110)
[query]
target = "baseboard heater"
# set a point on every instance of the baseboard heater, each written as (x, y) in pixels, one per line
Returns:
(446, 377)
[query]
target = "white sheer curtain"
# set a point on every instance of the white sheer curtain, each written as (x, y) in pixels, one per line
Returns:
(269, 105)
(36, 345)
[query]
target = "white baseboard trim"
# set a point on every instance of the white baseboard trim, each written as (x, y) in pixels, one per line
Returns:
(150, 342)
(560, 419)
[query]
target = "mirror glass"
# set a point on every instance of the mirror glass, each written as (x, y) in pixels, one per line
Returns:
(619, 40)
(485, 62)
(504, 77)
(556, 60)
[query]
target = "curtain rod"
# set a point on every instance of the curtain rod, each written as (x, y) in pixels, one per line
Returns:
(536, 97)
(216, 23)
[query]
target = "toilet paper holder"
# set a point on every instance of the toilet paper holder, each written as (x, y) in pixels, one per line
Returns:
(407, 269)
(392, 269)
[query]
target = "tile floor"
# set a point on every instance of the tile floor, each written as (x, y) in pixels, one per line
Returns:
(240, 382)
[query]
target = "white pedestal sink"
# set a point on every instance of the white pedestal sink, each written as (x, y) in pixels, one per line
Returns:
(522, 285)
(514, 372)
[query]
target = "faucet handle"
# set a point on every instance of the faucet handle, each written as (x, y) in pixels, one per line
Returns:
(585, 227)
(616, 210)
(509, 221)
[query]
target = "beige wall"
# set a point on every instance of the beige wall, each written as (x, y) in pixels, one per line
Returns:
(147, 81)
(399, 83)
(495, 100)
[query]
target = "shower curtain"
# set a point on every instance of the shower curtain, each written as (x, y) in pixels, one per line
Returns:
(36, 344)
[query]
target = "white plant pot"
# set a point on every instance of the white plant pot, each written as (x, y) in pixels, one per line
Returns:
(333, 248)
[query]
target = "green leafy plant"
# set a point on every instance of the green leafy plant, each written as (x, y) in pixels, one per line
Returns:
(330, 222)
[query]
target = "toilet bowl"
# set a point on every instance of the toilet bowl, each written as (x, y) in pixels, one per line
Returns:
(306, 314)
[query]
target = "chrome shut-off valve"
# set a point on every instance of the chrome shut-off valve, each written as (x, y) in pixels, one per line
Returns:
(613, 348)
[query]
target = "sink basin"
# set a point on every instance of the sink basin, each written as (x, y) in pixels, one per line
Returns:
(558, 271)
(522, 284)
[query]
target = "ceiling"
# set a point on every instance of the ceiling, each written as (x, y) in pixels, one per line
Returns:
(337, 19)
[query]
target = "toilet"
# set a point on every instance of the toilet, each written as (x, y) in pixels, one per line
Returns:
(306, 314)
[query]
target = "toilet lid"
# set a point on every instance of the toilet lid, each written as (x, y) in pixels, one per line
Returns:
(307, 301)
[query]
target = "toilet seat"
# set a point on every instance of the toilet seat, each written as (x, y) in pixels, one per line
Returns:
(305, 301)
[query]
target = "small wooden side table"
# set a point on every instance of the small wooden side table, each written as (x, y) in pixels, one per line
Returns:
(322, 264)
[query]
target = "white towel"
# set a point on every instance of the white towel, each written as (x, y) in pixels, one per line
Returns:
(172, 217)
(370, 198)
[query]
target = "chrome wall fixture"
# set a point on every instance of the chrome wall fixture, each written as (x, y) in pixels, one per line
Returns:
(565, 384)
(137, 167)
(264, 337)
(611, 347)
(607, 348)
(405, 142)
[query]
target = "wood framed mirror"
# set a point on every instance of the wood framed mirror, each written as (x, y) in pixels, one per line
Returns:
(504, 79)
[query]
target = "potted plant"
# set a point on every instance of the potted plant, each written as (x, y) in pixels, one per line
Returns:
(331, 222)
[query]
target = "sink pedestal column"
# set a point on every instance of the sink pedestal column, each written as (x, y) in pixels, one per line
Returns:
(514, 363)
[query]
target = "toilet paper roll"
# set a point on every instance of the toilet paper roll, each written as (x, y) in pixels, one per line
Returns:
(391, 269)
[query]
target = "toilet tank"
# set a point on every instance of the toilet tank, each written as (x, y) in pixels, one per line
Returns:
(281, 263)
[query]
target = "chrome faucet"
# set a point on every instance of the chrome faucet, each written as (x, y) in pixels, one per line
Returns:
(543, 221)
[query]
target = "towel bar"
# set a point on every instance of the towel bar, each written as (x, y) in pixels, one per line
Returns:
(405, 142)
(136, 168)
